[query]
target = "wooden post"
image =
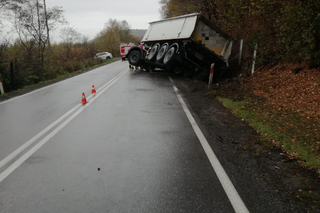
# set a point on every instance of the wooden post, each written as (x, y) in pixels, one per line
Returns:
(211, 75)
(12, 80)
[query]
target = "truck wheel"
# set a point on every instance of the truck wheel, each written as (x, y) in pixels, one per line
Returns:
(134, 57)
(169, 55)
(178, 70)
(162, 51)
(153, 51)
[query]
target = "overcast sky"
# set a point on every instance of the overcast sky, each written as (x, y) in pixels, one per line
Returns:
(88, 17)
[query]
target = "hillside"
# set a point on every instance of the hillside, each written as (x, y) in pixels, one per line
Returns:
(138, 32)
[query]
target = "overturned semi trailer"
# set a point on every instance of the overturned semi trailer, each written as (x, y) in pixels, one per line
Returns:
(183, 44)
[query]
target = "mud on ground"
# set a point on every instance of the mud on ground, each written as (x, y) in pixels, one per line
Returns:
(275, 183)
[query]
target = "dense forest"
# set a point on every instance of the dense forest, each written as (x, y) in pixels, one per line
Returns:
(32, 57)
(286, 30)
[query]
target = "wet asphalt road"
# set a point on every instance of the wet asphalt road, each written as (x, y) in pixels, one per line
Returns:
(130, 149)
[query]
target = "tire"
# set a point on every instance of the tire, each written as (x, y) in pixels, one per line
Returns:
(153, 51)
(168, 57)
(134, 58)
(178, 70)
(108, 58)
(162, 51)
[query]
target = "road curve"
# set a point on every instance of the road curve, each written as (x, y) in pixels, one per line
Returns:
(130, 149)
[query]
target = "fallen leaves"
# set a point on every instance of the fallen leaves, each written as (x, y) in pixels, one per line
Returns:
(288, 103)
(285, 90)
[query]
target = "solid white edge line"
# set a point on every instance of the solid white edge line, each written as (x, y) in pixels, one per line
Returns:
(44, 131)
(51, 85)
(234, 197)
(12, 167)
(106, 84)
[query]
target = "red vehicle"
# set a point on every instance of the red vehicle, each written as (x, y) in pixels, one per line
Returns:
(124, 49)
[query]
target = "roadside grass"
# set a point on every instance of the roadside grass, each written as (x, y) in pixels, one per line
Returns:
(60, 77)
(299, 137)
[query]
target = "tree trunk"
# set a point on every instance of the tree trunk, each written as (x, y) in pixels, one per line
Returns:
(39, 31)
(47, 25)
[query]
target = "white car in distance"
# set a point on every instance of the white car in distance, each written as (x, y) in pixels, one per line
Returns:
(104, 55)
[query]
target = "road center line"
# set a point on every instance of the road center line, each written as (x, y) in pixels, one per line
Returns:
(36, 137)
(24, 157)
(44, 131)
(235, 199)
(63, 81)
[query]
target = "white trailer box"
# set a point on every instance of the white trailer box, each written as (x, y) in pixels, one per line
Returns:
(191, 26)
(185, 44)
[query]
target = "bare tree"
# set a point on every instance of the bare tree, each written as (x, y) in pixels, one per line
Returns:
(9, 3)
(69, 36)
(163, 7)
(5, 6)
(33, 22)
(46, 19)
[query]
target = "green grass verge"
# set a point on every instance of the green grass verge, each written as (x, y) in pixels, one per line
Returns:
(295, 134)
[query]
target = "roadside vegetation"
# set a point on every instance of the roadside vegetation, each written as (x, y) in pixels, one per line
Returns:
(28, 54)
(33, 86)
(286, 30)
(283, 107)
(281, 99)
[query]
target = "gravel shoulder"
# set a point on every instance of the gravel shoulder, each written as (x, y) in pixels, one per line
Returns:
(265, 178)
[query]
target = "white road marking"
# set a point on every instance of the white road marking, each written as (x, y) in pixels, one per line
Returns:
(44, 131)
(36, 137)
(170, 79)
(235, 199)
(24, 157)
(60, 82)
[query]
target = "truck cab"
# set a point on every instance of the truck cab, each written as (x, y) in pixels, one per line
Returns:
(124, 49)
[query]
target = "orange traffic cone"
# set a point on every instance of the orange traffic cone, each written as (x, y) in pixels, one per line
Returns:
(93, 91)
(84, 100)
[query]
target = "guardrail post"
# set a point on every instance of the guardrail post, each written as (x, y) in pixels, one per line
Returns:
(240, 53)
(254, 58)
(211, 75)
